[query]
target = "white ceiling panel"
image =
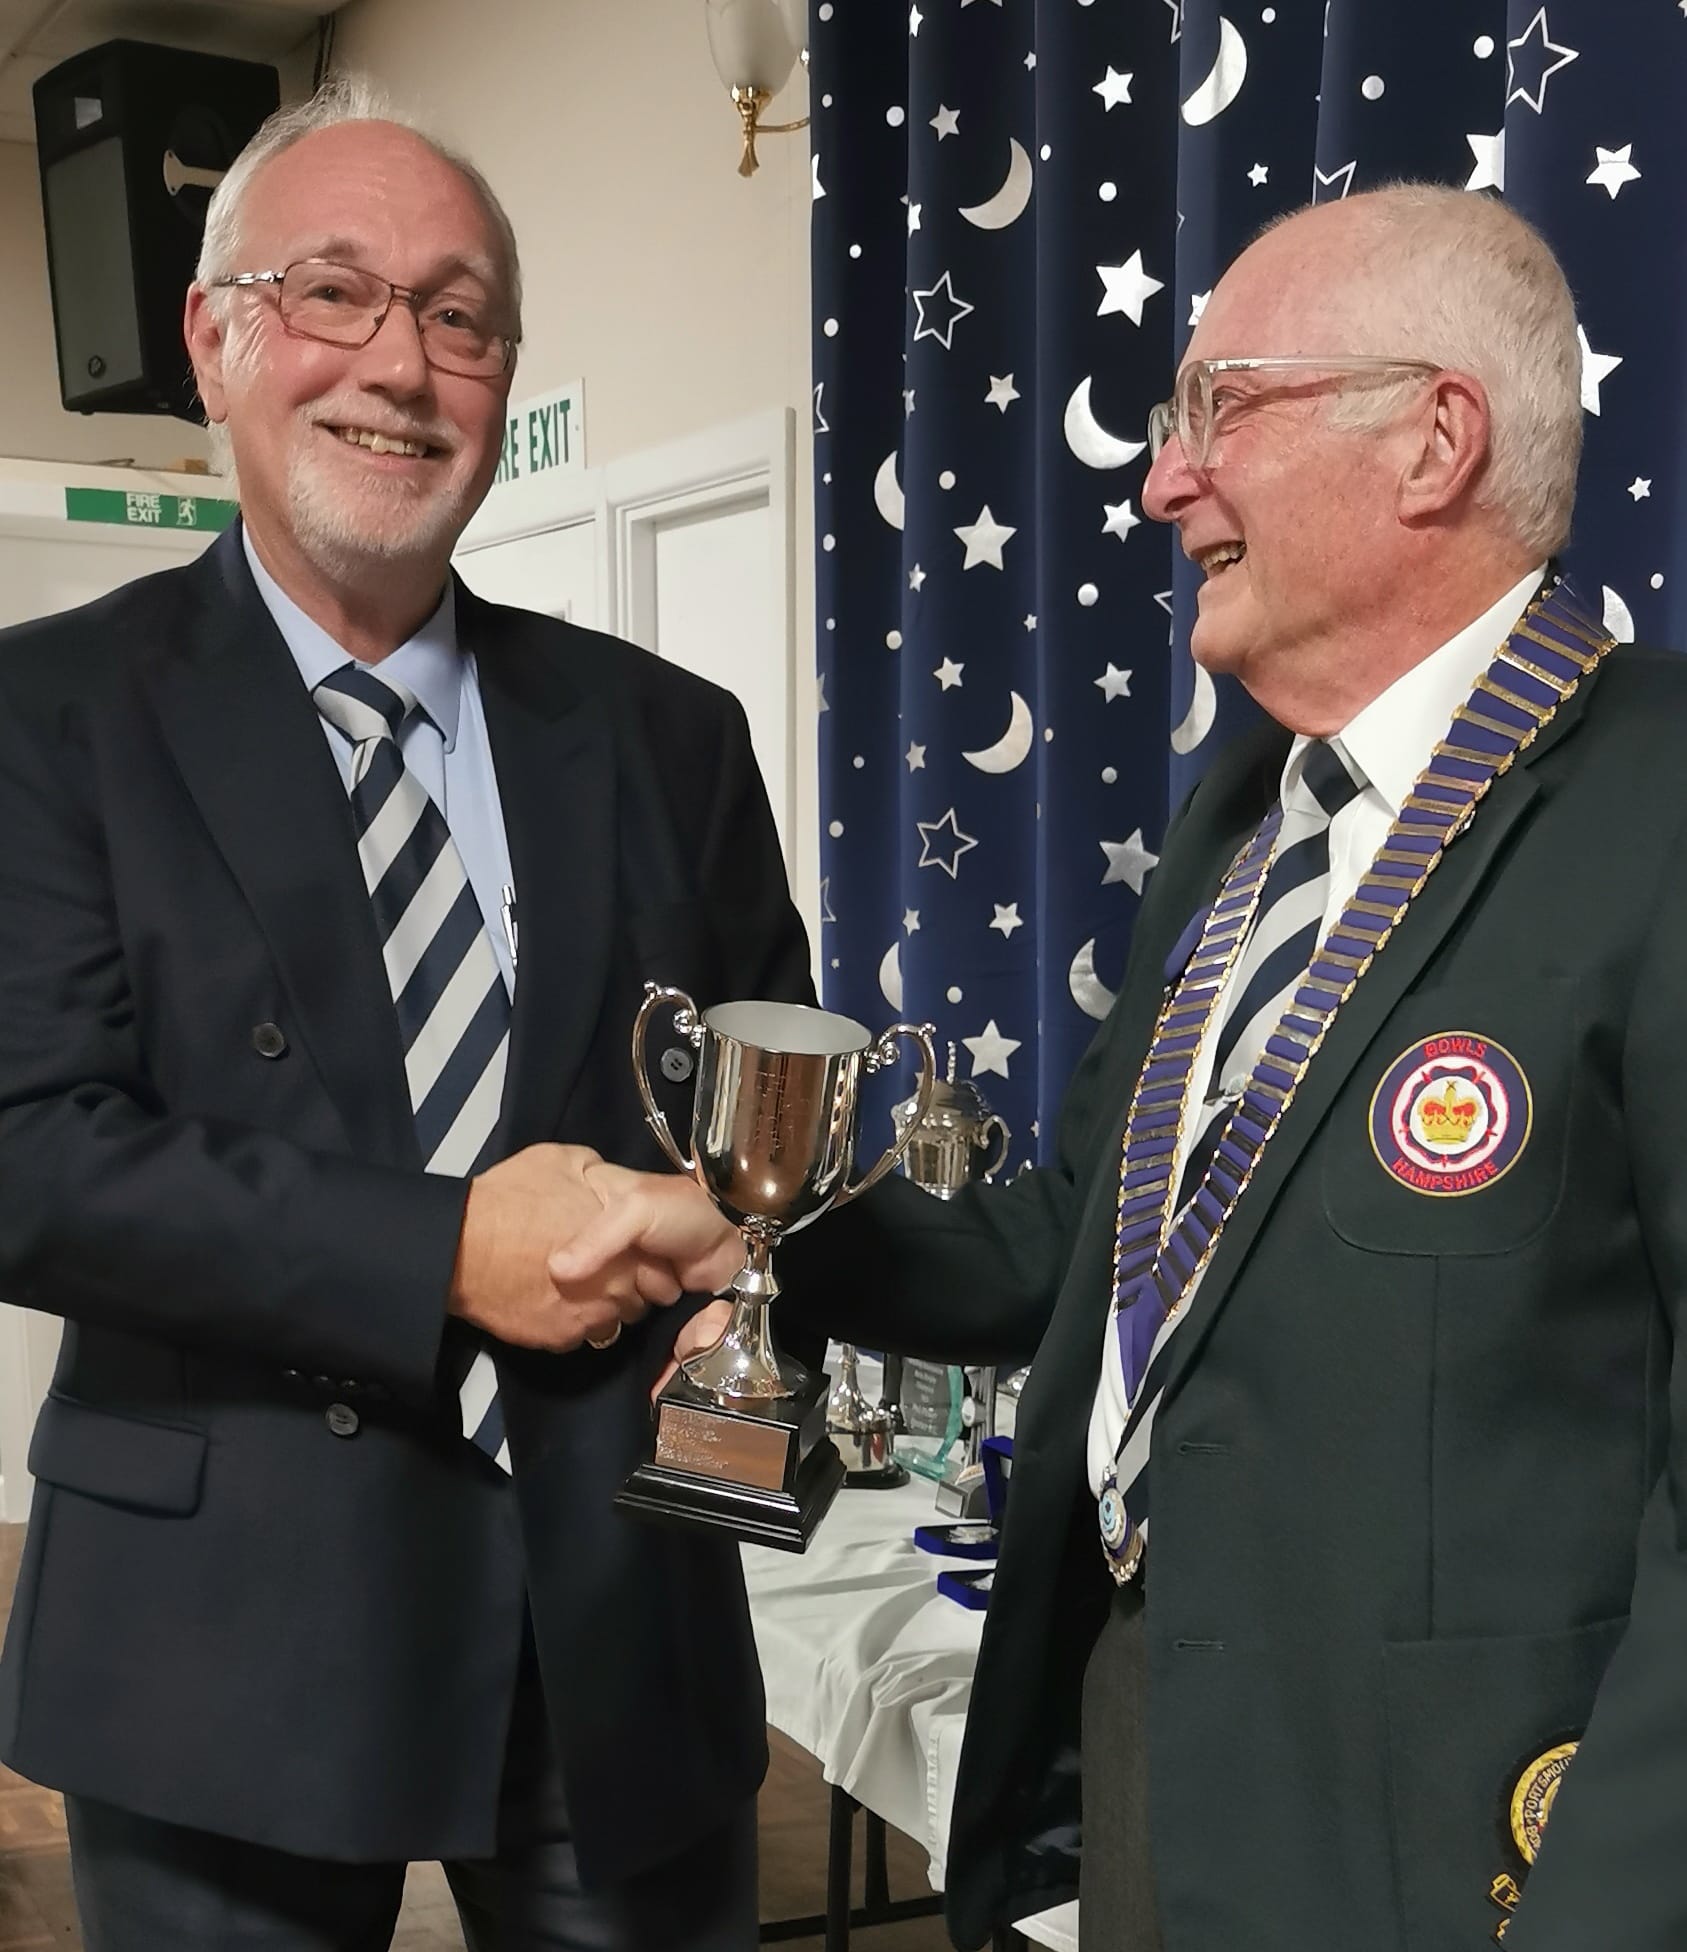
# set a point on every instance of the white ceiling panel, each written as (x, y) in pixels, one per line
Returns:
(35, 35)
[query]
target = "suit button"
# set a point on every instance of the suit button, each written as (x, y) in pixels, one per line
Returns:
(676, 1065)
(268, 1041)
(342, 1419)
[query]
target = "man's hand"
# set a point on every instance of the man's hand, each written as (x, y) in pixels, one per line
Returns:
(651, 1226)
(702, 1331)
(661, 1221)
(519, 1211)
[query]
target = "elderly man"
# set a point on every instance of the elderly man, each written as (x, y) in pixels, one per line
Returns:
(1345, 1560)
(324, 1573)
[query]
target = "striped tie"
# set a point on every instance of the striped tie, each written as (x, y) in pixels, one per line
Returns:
(1285, 933)
(453, 1008)
(1267, 974)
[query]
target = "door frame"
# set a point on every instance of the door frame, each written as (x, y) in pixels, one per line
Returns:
(628, 500)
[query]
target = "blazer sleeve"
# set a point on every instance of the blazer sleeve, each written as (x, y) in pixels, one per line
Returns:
(1611, 1869)
(975, 1278)
(117, 1213)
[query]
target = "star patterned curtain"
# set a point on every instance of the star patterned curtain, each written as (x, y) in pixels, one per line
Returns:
(1020, 207)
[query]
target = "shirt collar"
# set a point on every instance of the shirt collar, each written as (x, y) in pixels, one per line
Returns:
(1390, 741)
(430, 663)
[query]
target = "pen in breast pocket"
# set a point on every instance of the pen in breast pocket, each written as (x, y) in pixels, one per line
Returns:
(506, 913)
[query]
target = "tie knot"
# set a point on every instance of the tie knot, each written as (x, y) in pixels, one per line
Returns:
(363, 705)
(1327, 778)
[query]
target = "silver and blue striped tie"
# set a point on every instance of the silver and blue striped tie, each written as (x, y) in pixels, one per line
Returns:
(1287, 925)
(453, 1008)
(1285, 932)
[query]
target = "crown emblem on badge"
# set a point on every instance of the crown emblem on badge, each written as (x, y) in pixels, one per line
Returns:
(1447, 1120)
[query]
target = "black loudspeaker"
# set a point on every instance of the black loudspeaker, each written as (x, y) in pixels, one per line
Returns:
(131, 140)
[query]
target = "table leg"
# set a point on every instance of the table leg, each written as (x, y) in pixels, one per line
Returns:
(840, 1850)
(877, 1894)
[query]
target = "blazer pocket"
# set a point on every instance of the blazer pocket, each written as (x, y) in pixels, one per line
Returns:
(1465, 1717)
(1451, 1134)
(145, 1466)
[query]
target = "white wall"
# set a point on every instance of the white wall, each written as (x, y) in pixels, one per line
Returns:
(676, 290)
(33, 425)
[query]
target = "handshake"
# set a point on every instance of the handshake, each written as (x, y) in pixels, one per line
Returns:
(560, 1248)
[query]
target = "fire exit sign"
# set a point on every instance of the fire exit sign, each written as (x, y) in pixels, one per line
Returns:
(139, 510)
(542, 436)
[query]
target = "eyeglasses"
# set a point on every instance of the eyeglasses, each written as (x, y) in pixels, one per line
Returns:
(342, 305)
(1196, 404)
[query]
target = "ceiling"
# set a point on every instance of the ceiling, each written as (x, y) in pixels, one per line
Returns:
(36, 35)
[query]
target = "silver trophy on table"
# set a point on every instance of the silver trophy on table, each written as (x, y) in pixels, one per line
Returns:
(740, 1437)
(864, 1432)
(947, 1143)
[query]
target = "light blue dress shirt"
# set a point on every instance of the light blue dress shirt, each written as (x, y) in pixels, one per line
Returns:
(444, 744)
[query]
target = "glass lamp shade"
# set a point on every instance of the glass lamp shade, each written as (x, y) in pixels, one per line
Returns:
(755, 43)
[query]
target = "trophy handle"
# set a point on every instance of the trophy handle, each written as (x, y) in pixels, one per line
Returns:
(1004, 1138)
(689, 1025)
(881, 1054)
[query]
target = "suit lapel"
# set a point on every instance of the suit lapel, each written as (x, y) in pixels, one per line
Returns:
(554, 756)
(250, 749)
(1454, 885)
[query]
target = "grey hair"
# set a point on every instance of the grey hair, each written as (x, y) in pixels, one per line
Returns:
(1461, 279)
(342, 98)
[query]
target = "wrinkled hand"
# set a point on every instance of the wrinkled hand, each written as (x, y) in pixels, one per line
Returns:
(517, 1213)
(664, 1231)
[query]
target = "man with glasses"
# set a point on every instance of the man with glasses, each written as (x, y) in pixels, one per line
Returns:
(324, 1574)
(1345, 1567)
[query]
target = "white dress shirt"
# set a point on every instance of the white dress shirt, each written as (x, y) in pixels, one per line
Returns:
(1388, 743)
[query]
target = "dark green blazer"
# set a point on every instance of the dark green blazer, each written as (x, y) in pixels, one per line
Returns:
(1420, 1469)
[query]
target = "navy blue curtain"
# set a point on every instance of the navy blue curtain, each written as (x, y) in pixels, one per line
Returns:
(1019, 208)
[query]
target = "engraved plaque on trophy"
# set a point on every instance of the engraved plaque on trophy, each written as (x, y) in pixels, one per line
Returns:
(740, 1439)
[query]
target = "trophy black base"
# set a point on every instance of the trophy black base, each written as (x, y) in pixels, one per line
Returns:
(891, 1479)
(766, 1475)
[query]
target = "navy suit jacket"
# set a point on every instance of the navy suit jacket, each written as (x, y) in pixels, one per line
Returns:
(232, 1614)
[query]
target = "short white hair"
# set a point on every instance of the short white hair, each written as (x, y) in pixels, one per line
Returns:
(1458, 278)
(340, 99)
(343, 98)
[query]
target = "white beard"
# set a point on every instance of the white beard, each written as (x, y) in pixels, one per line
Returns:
(387, 523)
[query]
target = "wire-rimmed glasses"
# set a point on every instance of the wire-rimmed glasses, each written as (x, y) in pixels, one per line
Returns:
(344, 305)
(1190, 412)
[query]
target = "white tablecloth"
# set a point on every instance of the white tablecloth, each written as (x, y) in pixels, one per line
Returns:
(869, 1668)
(867, 1665)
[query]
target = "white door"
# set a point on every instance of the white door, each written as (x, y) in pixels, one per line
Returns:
(47, 568)
(686, 549)
(704, 597)
(552, 570)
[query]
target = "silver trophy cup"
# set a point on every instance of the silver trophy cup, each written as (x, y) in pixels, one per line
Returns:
(740, 1433)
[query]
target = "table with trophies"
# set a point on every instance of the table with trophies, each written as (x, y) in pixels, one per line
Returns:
(868, 1628)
